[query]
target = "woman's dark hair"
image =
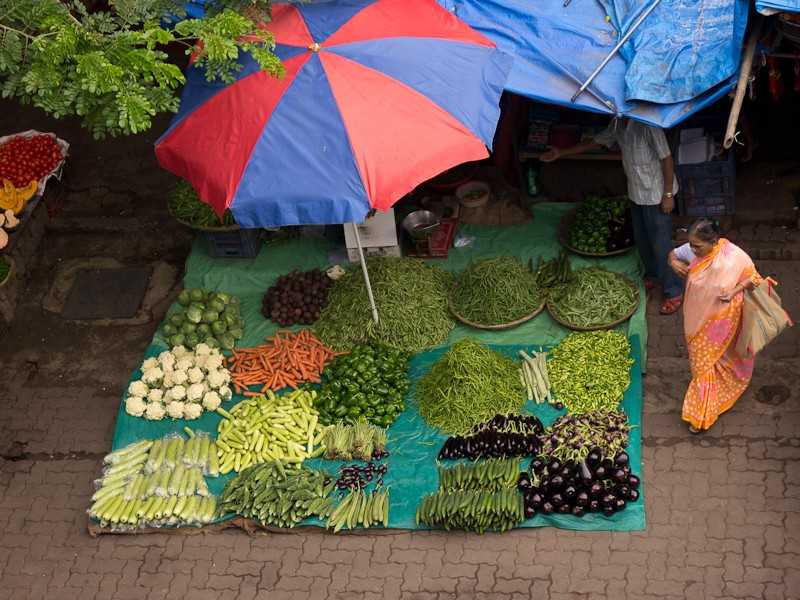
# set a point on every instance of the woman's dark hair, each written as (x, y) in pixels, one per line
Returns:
(705, 230)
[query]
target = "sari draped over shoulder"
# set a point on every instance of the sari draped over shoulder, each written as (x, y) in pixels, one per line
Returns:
(719, 375)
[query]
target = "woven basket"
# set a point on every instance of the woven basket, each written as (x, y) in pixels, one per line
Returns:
(602, 326)
(499, 327)
(563, 237)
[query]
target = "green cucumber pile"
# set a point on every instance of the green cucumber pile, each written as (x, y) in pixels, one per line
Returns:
(213, 318)
(495, 291)
(590, 371)
(593, 298)
(185, 205)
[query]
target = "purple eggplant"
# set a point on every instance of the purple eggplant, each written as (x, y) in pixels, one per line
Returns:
(547, 508)
(578, 511)
(557, 499)
(633, 496)
(621, 459)
(582, 498)
(634, 481)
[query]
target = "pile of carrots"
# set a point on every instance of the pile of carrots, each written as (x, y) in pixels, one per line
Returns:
(288, 359)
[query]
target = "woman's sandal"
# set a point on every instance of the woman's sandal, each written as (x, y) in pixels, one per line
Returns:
(695, 430)
(671, 305)
(650, 285)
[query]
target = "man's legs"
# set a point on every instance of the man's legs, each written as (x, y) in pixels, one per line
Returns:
(661, 240)
(641, 235)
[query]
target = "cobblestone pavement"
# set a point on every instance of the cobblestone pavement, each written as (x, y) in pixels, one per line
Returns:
(723, 509)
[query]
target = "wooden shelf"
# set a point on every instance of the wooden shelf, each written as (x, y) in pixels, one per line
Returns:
(525, 155)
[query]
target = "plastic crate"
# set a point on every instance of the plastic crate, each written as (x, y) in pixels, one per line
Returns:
(239, 243)
(708, 189)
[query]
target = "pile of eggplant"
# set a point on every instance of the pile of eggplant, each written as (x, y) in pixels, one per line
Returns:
(597, 485)
(502, 436)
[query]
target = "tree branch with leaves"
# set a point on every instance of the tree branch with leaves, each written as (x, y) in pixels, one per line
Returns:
(109, 66)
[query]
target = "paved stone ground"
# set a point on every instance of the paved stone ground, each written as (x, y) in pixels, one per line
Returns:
(723, 509)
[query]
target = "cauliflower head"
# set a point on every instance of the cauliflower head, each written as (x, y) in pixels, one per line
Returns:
(135, 406)
(179, 377)
(184, 364)
(155, 395)
(168, 380)
(153, 377)
(192, 411)
(154, 412)
(167, 360)
(218, 378)
(226, 393)
(179, 352)
(214, 362)
(211, 401)
(175, 409)
(150, 363)
(178, 392)
(195, 375)
(194, 392)
(202, 349)
(138, 388)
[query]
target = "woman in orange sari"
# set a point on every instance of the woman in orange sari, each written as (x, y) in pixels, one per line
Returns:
(717, 272)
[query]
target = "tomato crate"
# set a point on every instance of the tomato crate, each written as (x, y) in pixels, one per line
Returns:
(708, 189)
(236, 243)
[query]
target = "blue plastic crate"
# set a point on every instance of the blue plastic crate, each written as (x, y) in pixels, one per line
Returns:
(708, 189)
(239, 243)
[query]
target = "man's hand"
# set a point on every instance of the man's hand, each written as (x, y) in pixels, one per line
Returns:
(667, 203)
(551, 155)
(680, 267)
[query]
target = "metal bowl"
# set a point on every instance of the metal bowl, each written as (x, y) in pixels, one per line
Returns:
(420, 224)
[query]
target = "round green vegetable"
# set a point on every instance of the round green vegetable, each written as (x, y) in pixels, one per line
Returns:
(218, 327)
(209, 316)
(494, 291)
(177, 340)
(198, 320)
(197, 295)
(184, 298)
(194, 314)
(602, 225)
(170, 330)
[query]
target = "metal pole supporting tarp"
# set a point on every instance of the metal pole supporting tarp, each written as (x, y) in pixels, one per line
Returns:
(741, 86)
(366, 273)
(616, 48)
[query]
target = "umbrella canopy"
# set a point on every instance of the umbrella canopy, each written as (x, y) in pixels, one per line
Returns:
(378, 96)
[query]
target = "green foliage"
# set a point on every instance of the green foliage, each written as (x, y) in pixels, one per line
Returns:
(110, 68)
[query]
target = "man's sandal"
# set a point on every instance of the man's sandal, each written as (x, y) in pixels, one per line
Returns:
(671, 305)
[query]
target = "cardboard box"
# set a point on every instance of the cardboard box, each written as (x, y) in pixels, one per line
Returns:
(352, 253)
(380, 230)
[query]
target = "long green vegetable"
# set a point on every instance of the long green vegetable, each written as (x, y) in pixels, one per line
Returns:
(184, 204)
(469, 385)
(412, 303)
(472, 510)
(490, 475)
(590, 371)
(593, 297)
(496, 290)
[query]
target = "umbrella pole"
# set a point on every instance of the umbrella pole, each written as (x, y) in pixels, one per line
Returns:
(366, 273)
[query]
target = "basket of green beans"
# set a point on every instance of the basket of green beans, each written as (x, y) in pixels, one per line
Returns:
(496, 293)
(186, 207)
(594, 298)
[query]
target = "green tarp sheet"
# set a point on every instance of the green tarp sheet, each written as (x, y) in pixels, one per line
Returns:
(413, 446)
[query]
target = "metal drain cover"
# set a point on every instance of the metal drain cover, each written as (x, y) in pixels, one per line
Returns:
(106, 293)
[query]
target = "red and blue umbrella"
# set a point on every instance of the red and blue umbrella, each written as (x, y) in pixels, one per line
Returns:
(378, 96)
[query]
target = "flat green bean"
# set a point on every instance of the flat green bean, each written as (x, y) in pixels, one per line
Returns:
(593, 297)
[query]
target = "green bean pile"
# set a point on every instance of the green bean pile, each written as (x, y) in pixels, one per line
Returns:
(490, 475)
(411, 297)
(184, 204)
(467, 386)
(553, 272)
(496, 290)
(472, 510)
(590, 371)
(593, 297)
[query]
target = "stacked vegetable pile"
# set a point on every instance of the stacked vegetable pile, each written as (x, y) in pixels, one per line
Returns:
(593, 298)
(503, 436)
(271, 495)
(157, 484)
(590, 371)
(179, 384)
(185, 205)
(602, 225)
(269, 428)
(571, 437)
(553, 272)
(596, 485)
(467, 386)
(370, 382)
(533, 373)
(25, 159)
(288, 359)
(481, 497)
(411, 296)
(297, 298)
(496, 291)
(360, 508)
(212, 318)
(361, 441)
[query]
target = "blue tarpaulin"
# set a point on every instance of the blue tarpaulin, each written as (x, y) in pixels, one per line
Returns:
(770, 7)
(684, 56)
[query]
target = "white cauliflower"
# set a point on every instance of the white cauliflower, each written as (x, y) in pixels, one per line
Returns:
(179, 377)
(155, 395)
(138, 388)
(218, 378)
(225, 393)
(135, 406)
(202, 349)
(211, 401)
(195, 392)
(185, 363)
(192, 411)
(166, 359)
(178, 392)
(154, 412)
(150, 363)
(175, 409)
(179, 352)
(214, 362)
(195, 375)
(200, 361)
(153, 377)
(168, 380)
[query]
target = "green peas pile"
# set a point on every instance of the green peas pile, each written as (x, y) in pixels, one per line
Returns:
(590, 371)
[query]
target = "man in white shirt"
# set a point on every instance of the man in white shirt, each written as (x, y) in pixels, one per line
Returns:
(652, 186)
